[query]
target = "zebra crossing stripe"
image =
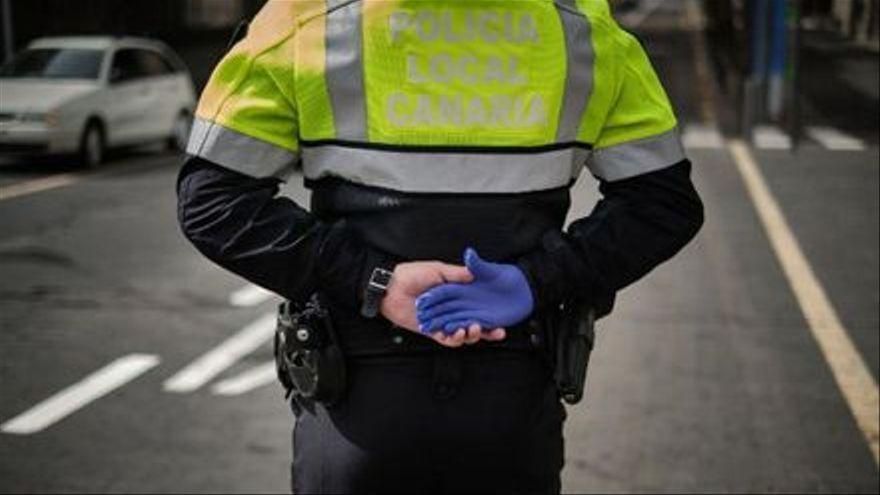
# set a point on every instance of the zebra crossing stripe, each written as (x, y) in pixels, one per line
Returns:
(834, 139)
(702, 136)
(250, 295)
(79, 395)
(251, 379)
(767, 137)
(215, 361)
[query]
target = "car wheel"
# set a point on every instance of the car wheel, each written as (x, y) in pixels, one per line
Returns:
(180, 132)
(92, 146)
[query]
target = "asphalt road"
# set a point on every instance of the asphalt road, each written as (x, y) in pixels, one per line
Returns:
(707, 378)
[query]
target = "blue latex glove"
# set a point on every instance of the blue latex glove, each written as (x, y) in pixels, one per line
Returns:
(499, 297)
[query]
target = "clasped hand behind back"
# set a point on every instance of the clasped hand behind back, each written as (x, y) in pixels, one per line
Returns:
(458, 305)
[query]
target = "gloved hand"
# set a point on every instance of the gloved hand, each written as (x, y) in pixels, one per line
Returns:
(498, 297)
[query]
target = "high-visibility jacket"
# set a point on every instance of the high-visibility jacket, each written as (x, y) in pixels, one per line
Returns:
(427, 126)
(434, 96)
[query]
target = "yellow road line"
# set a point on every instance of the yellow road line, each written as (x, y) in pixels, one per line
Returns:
(847, 365)
(38, 185)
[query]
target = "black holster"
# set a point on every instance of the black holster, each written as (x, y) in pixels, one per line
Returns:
(308, 357)
(570, 335)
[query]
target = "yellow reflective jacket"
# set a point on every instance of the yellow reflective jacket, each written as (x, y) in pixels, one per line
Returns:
(495, 96)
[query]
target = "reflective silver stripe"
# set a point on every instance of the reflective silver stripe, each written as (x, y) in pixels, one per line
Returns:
(428, 172)
(239, 152)
(345, 71)
(637, 157)
(579, 69)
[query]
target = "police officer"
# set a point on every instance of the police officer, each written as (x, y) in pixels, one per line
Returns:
(427, 129)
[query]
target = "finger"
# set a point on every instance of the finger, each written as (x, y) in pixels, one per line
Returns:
(452, 340)
(438, 295)
(447, 341)
(455, 273)
(474, 334)
(447, 306)
(441, 338)
(496, 335)
(452, 327)
(457, 339)
(478, 266)
(426, 328)
(447, 326)
(430, 300)
(460, 316)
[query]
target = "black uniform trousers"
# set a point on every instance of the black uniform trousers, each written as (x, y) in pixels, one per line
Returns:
(446, 421)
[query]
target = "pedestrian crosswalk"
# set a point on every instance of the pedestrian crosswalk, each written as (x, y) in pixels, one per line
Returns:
(218, 359)
(698, 136)
(189, 379)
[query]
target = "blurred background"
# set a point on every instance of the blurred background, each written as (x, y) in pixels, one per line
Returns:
(128, 363)
(198, 29)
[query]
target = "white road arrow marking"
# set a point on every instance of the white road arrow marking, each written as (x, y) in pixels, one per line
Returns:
(77, 396)
(212, 363)
(251, 379)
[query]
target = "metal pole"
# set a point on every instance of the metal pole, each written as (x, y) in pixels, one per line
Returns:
(778, 51)
(8, 49)
(754, 91)
(794, 97)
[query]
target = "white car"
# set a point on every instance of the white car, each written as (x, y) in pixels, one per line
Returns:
(82, 95)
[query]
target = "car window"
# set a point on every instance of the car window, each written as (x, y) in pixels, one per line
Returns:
(55, 63)
(126, 66)
(153, 64)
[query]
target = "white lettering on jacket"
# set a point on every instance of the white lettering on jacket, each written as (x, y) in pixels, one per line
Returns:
(489, 26)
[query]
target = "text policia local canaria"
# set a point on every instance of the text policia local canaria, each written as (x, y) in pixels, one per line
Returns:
(510, 105)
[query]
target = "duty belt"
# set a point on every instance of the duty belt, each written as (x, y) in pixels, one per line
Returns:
(360, 337)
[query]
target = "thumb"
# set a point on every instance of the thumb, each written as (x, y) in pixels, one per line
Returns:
(455, 274)
(478, 266)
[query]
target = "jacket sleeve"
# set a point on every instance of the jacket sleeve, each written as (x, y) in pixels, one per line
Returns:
(241, 223)
(243, 145)
(650, 209)
(640, 223)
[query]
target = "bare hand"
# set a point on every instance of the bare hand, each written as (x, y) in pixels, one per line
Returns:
(411, 280)
(469, 336)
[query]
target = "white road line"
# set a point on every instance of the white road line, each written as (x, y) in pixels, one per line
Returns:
(702, 136)
(77, 396)
(834, 139)
(847, 366)
(212, 363)
(768, 137)
(250, 295)
(38, 185)
(251, 379)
